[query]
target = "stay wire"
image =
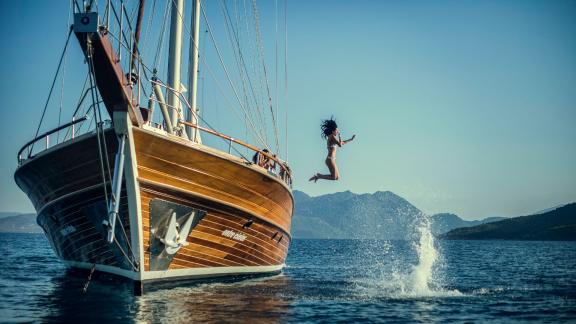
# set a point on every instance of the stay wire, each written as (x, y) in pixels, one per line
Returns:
(97, 124)
(286, 75)
(240, 61)
(51, 89)
(160, 48)
(150, 18)
(62, 81)
(228, 75)
(83, 95)
(124, 253)
(126, 239)
(100, 132)
(261, 49)
(255, 70)
(276, 66)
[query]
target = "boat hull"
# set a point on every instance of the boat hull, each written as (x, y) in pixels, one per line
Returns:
(67, 188)
(241, 213)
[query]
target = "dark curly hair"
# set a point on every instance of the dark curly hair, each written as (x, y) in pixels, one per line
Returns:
(328, 126)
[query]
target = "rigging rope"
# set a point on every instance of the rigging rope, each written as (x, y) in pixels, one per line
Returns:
(286, 74)
(104, 158)
(83, 95)
(257, 102)
(249, 116)
(51, 89)
(150, 18)
(228, 76)
(276, 65)
(62, 80)
(254, 68)
(96, 119)
(245, 69)
(160, 47)
(132, 263)
(261, 49)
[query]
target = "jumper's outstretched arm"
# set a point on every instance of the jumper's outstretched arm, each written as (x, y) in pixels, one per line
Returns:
(341, 142)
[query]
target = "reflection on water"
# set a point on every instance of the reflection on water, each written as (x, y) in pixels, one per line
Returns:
(256, 299)
(106, 298)
(262, 300)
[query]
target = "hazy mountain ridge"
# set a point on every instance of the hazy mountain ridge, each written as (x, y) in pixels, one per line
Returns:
(382, 215)
(349, 215)
(346, 215)
(557, 225)
(444, 222)
(18, 223)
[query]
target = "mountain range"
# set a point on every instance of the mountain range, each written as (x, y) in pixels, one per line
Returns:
(18, 223)
(381, 215)
(558, 225)
(346, 215)
(445, 222)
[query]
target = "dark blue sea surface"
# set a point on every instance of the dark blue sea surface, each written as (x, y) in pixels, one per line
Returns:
(325, 281)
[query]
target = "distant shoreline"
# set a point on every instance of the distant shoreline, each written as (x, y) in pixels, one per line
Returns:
(555, 225)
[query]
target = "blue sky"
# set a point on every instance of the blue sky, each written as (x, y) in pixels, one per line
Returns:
(460, 106)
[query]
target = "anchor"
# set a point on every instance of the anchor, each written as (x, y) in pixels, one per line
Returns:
(176, 234)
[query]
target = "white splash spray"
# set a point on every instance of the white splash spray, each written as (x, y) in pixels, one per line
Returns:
(423, 280)
(404, 269)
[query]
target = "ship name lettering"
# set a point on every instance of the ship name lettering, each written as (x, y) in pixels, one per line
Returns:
(233, 235)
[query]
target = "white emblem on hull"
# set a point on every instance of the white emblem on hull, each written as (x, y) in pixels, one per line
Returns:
(176, 236)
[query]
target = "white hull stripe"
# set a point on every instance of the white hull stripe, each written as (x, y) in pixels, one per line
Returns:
(179, 273)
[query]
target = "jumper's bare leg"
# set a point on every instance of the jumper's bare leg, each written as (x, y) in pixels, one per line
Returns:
(334, 173)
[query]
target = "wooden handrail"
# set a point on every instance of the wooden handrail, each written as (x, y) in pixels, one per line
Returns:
(50, 132)
(229, 138)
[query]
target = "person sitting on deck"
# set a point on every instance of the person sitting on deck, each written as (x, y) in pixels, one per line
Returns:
(262, 160)
(286, 173)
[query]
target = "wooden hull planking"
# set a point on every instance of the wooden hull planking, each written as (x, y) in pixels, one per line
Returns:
(246, 213)
(232, 194)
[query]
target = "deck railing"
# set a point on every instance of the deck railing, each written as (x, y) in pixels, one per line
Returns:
(284, 173)
(27, 149)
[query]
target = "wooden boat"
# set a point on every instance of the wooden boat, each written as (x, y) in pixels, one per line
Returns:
(147, 201)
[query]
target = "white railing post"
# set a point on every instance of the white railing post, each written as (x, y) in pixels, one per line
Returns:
(108, 16)
(73, 126)
(120, 34)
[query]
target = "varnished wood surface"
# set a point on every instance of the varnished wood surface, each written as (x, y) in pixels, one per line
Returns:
(220, 178)
(111, 80)
(264, 243)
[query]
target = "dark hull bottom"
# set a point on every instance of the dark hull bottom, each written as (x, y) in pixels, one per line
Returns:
(81, 278)
(74, 227)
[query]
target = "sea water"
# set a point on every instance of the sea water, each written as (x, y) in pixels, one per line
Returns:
(415, 280)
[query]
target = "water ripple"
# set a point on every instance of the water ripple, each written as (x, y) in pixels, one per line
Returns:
(376, 281)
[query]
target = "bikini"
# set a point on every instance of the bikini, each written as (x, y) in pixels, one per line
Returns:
(334, 146)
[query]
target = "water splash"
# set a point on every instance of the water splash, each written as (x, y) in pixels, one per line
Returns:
(418, 282)
(424, 279)
(406, 269)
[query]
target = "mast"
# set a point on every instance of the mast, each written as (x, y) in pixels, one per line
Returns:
(175, 60)
(137, 36)
(194, 134)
